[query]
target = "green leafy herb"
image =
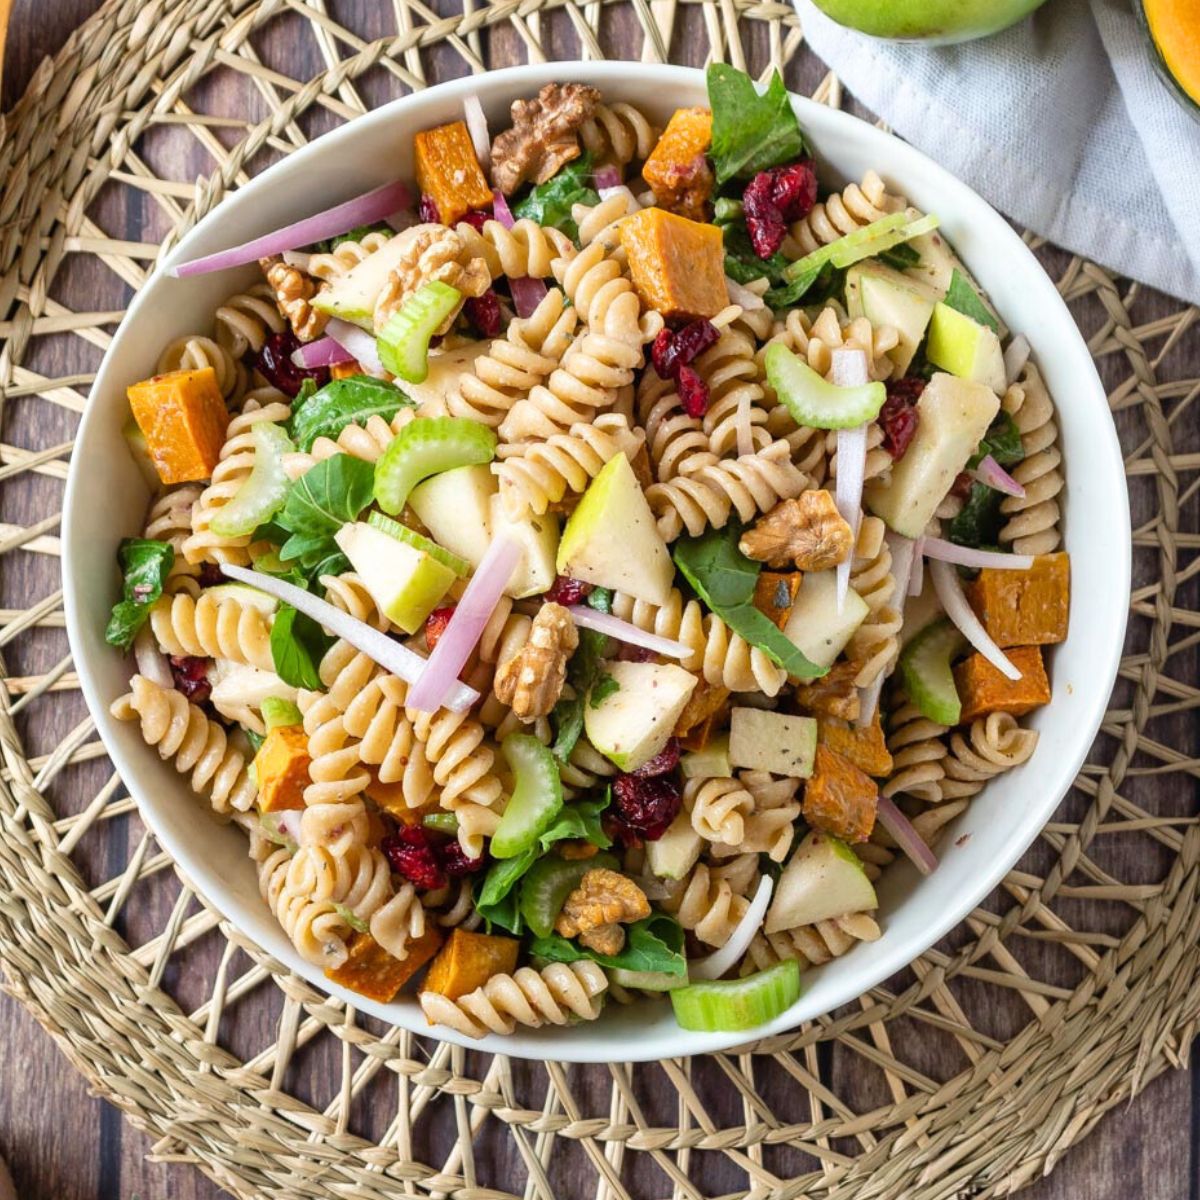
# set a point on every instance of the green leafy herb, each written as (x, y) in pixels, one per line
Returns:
(979, 521)
(604, 687)
(343, 402)
(354, 235)
(814, 286)
(550, 203)
(582, 672)
(320, 502)
(965, 299)
(750, 132)
(579, 822)
(351, 918)
(741, 262)
(1002, 441)
(724, 578)
(255, 739)
(145, 565)
(652, 944)
(297, 645)
(901, 256)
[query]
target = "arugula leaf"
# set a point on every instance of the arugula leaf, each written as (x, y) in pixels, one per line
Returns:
(298, 644)
(145, 565)
(497, 901)
(550, 203)
(743, 265)
(750, 132)
(582, 672)
(1002, 441)
(965, 299)
(979, 521)
(724, 578)
(604, 687)
(343, 402)
(652, 944)
(580, 822)
(815, 285)
(900, 256)
(353, 235)
(320, 502)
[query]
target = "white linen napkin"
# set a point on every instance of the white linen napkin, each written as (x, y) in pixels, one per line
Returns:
(1060, 122)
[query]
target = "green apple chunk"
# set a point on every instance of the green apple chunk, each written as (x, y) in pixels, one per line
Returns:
(954, 414)
(965, 348)
(445, 369)
(814, 625)
(772, 741)
(538, 538)
(887, 297)
(455, 506)
(611, 538)
(406, 583)
(418, 541)
(928, 20)
(630, 725)
(823, 880)
(245, 595)
(674, 854)
(239, 685)
(712, 760)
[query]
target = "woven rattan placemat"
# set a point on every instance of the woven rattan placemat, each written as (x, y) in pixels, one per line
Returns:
(969, 1074)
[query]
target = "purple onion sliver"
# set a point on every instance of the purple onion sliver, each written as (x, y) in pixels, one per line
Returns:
(905, 836)
(954, 600)
(991, 473)
(527, 294)
(606, 177)
(358, 344)
(324, 352)
(968, 556)
(623, 631)
(501, 211)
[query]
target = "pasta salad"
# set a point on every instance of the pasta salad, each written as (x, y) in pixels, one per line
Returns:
(583, 573)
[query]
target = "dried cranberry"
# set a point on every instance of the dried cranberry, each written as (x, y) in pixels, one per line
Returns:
(693, 392)
(628, 653)
(899, 417)
(191, 677)
(484, 313)
(909, 388)
(673, 349)
(645, 807)
(457, 863)
(427, 210)
(568, 591)
(435, 625)
(411, 853)
(274, 363)
(667, 759)
(477, 218)
(961, 487)
(794, 189)
(210, 575)
(772, 199)
(660, 352)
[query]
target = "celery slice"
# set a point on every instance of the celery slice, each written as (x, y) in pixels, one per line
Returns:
(265, 489)
(277, 712)
(733, 1005)
(443, 822)
(404, 339)
(536, 799)
(864, 242)
(428, 446)
(928, 678)
(547, 884)
(418, 541)
(816, 402)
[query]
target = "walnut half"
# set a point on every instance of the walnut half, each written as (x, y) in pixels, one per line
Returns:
(543, 136)
(596, 909)
(531, 682)
(807, 533)
(294, 291)
(432, 253)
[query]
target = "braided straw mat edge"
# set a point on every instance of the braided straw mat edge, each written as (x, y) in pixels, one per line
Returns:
(969, 1074)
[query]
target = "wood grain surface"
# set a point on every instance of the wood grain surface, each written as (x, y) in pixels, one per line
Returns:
(64, 1144)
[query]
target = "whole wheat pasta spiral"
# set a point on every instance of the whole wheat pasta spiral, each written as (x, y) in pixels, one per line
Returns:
(602, 222)
(337, 826)
(1032, 519)
(387, 740)
(247, 319)
(918, 754)
(213, 626)
(814, 339)
(810, 945)
(710, 900)
(551, 996)
(993, 744)
(770, 826)
(181, 732)
(676, 442)
(463, 763)
(596, 284)
(360, 879)
(618, 134)
(875, 643)
(719, 807)
(345, 256)
(336, 769)
(193, 352)
(316, 928)
(842, 213)
(735, 395)
(586, 767)
(399, 921)
(525, 250)
(367, 441)
(456, 905)
(169, 519)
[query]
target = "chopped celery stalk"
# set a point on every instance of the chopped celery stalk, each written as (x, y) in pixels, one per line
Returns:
(547, 884)
(443, 822)
(404, 339)
(278, 712)
(536, 799)
(815, 402)
(726, 210)
(646, 981)
(428, 446)
(265, 489)
(864, 242)
(410, 537)
(928, 678)
(732, 1005)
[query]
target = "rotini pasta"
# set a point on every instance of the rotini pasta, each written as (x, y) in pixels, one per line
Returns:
(710, 900)
(875, 644)
(213, 626)
(843, 212)
(1032, 520)
(811, 945)
(526, 249)
(618, 133)
(719, 808)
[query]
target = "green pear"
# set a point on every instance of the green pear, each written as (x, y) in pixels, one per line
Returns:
(674, 854)
(633, 722)
(771, 741)
(823, 880)
(814, 624)
(965, 348)
(712, 760)
(887, 297)
(352, 296)
(928, 20)
(455, 506)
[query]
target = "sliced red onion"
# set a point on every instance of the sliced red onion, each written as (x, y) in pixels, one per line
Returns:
(741, 295)
(357, 343)
(1015, 357)
(990, 472)
(904, 557)
(501, 211)
(715, 965)
(287, 821)
(400, 221)
(606, 177)
(297, 258)
(949, 591)
(623, 631)
(916, 581)
(324, 352)
(527, 294)
(151, 661)
(376, 645)
(465, 627)
(362, 210)
(477, 127)
(965, 556)
(905, 836)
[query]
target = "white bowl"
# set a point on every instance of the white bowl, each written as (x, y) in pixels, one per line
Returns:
(106, 500)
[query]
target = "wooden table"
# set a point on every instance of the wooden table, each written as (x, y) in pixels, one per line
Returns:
(66, 1145)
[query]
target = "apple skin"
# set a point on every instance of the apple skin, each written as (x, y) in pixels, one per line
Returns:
(938, 21)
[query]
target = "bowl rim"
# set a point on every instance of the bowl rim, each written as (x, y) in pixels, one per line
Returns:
(896, 159)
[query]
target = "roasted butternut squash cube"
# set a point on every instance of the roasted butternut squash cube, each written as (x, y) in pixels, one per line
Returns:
(984, 690)
(345, 370)
(839, 798)
(183, 417)
(834, 694)
(707, 702)
(282, 766)
(468, 960)
(449, 173)
(1025, 608)
(372, 972)
(866, 748)
(677, 265)
(677, 169)
(390, 798)
(775, 593)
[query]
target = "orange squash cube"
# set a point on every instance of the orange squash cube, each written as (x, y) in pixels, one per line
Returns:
(707, 705)
(839, 799)
(677, 265)
(983, 690)
(281, 766)
(372, 972)
(390, 798)
(1024, 608)
(677, 169)
(449, 173)
(468, 960)
(183, 417)
(866, 748)
(775, 593)
(345, 370)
